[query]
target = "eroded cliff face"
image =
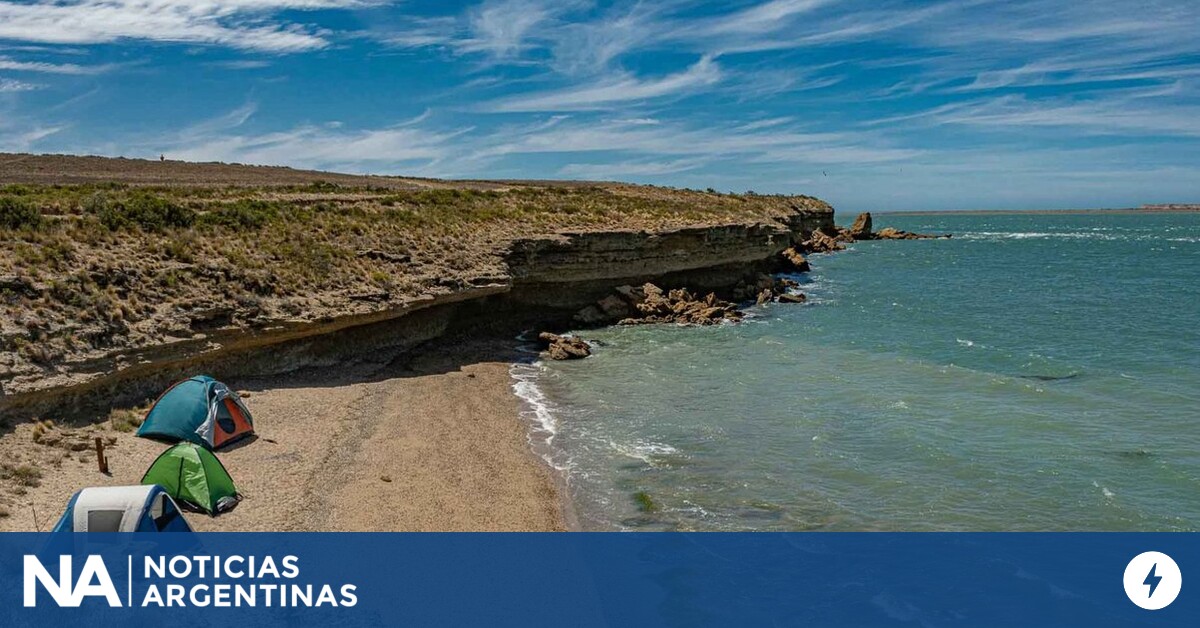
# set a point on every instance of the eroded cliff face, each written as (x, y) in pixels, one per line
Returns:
(573, 269)
(546, 280)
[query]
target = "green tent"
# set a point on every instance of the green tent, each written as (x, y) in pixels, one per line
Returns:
(192, 475)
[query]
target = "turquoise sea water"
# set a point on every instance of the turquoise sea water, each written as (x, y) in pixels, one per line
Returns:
(1035, 372)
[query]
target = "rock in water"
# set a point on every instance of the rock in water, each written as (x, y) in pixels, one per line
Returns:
(789, 297)
(891, 233)
(564, 347)
(796, 260)
(861, 229)
(822, 243)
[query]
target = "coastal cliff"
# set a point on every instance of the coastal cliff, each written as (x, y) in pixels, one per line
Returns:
(111, 290)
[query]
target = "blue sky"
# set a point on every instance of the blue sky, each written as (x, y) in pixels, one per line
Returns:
(873, 105)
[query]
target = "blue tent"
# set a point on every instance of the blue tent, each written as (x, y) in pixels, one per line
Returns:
(122, 509)
(200, 410)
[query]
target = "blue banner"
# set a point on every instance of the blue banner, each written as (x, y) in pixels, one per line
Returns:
(530, 580)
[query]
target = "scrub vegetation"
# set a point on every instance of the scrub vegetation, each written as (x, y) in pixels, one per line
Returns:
(95, 267)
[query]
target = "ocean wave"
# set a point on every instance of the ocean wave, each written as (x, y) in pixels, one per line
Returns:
(526, 388)
(537, 409)
(649, 453)
(1038, 235)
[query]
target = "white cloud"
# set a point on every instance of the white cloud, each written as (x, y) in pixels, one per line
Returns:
(329, 146)
(241, 64)
(670, 142)
(7, 63)
(499, 27)
(616, 170)
(236, 23)
(620, 89)
(1100, 117)
(12, 85)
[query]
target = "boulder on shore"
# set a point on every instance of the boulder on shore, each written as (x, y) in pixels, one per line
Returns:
(563, 347)
(796, 260)
(767, 289)
(651, 304)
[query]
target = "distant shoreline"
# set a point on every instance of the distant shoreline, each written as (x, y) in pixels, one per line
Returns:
(977, 212)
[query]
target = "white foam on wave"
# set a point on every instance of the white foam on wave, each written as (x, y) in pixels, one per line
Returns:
(1038, 235)
(537, 409)
(965, 343)
(526, 388)
(646, 452)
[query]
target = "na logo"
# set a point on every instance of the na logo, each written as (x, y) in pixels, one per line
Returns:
(93, 581)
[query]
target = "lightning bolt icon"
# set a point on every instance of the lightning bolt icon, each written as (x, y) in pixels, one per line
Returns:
(1152, 580)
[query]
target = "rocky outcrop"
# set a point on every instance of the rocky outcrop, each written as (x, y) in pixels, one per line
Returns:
(862, 230)
(796, 262)
(575, 270)
(563, 347)
(654, 305)
(766, 289)
(649, 304)
(890, 233)
(821, 242)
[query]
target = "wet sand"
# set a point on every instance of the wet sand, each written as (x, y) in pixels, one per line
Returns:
(431, 441)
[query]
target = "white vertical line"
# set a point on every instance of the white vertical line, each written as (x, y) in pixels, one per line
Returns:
(130, 574)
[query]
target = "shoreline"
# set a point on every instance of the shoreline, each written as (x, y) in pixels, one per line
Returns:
(540, 426)
(1021, 212)
(430, 440)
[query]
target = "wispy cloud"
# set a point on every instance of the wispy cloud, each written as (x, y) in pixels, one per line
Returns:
(235, 23)
(618, 89)
(7, 63)
(499, 28)
(12, 85)
(639, 168)
(1097, 117)
(241, 64)
(670, 141)
(378, 150)
(753, 93)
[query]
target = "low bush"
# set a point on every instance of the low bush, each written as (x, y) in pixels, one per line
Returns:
(140, 210)
(23, 475)
(18, 213)
(242, 214)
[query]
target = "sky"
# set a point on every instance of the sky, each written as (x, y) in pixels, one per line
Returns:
(872, 105)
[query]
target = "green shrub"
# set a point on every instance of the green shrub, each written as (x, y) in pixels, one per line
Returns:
(124, 420)
(142, 210)
(16, 189)
(242, 214)
(17, 213)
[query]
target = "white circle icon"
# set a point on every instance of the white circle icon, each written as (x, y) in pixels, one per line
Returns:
(1152, 580)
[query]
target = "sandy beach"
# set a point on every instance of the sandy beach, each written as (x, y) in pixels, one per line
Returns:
(428, 441)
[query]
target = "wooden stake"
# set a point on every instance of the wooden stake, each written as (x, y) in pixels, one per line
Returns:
(100, 459)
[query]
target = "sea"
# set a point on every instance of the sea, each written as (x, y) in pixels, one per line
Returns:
(1034, 372)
